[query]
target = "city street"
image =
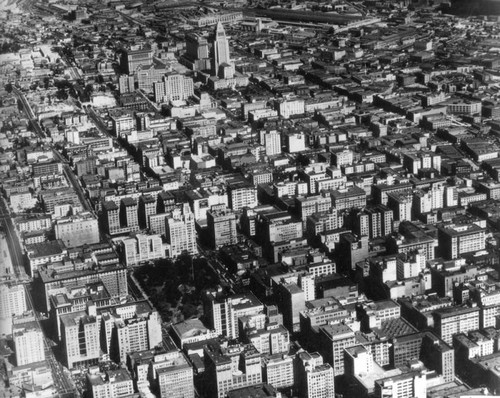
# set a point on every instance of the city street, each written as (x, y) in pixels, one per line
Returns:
(98, 122)
(16, 253)
(62, 381)
(70, 176)
(251, 198)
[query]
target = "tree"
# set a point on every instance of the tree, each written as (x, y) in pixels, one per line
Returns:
(303, 160)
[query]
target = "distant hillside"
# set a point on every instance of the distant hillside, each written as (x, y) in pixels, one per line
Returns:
(474, 7)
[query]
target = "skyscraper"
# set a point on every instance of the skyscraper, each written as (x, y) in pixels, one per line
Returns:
(12, 302)
(78, 230)
(175, 377)
(132, 59)
(315, 378)
(80, 337)
(230, 367)
(141, 247)
(174, 87)
(271, 141)
(180, 232)
(28, 342)
(221, 226)
(114, 383)
(220, 50)
(129, 216)
(222, 312)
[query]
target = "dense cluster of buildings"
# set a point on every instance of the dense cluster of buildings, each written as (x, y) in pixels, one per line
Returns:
(335, 163)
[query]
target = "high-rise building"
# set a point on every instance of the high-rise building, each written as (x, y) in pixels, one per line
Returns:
(147, 76)
(74, 298)
(174, 377)
(347, 198)
(319, 312)
(406, 385)
(271, 140)
(132, 59)
(291, 302)
(112, 384)
(12, 302)
(452, 320)
(228, 368)
(126, 84)
(222, 312)
(342, 157)
(287, 108)
(78, 230)
(114, 278)
(196, 47)
(241, 194)
(202, 199)
(180, 232)
(358, 360)
(53, 198)
(355, 249)
(80, 338)
(293, 142)
(141, 248)
(455, 240)
(273, 339)
(277, 226)
(373, 221)
(28, 341)
(438, 356)
(401, 204)
(450, 196)
(174, 87)
(129, 216)
(321, 222)
(278, 370)
(421, 160)
(220, 57)
(315, 378)
(122, 122)
(307, 206)
(157, 223)
(426, 200)
(333, 340)
(197, 55)
(147, 207)
(221, 223)
(129, 327)
(166, 202)
(426, 347)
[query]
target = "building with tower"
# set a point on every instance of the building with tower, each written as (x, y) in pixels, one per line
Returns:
(221, 62)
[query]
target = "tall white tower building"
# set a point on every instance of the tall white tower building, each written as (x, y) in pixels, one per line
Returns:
(221, 59)
(28, 342)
